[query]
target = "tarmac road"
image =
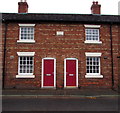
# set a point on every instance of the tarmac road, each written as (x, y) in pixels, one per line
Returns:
(59, 103)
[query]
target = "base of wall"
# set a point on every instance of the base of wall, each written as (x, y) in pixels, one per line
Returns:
(60, 88)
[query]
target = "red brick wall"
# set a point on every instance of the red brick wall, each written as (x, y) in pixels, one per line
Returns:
(115, 32)
(71, 45)
(1, 52)
(119, 57)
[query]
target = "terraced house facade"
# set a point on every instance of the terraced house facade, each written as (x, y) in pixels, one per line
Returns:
(60, 50)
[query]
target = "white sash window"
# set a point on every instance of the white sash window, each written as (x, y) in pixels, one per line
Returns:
(26, 33)
(92, 34)
(93, 69)
(25, 65)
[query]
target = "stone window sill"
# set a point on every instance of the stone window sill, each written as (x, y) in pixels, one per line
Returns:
(93, 76)
(25, 76)
(25, 41)
(93, 42)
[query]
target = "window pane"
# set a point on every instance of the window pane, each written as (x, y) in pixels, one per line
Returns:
(92, 64)
(27, 33)
(26, 64)
(92, 34)
(88, 71)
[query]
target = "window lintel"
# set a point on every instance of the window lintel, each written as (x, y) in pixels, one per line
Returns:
(26, 25)
(93, 54)
(26, 53)
(92, 26)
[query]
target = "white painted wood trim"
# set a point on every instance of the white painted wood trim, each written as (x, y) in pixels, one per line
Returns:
(93, 76)
(42, 73)
(18, 66)
(28, 74)
(20, 40)
(26, 41)
(65, 71)
(54, 72)
(76, 72)
(92, 26)
(93, 54)
(99, 66)
(42, 77)
(26, 25)
(26, 53)
(25, 76)
(93, 42)
(70, 58)
(49, 58)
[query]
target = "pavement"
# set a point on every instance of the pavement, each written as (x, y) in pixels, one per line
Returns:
(61, 100)
(60, 93)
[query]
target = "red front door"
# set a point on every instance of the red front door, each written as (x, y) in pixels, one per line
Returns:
(48, 73)
(71, 72)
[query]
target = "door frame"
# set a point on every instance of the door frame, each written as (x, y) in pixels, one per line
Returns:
(65, 71)
(42, 77)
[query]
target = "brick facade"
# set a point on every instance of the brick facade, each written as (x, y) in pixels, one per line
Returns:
(69, 45)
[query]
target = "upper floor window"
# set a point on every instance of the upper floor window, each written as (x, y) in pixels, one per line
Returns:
(26, 33)
(92, 34)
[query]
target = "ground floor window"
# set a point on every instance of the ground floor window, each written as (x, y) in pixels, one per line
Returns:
(93, 68)
(25, 65)
(93, 65)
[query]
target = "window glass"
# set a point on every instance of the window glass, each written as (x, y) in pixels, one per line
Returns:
(27, 33)
(92, 34)
(26, 64)
(92, 64)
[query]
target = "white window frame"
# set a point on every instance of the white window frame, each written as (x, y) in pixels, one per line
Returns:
(26, 40)
(94, 75)
(25, 75)
(92, 41)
